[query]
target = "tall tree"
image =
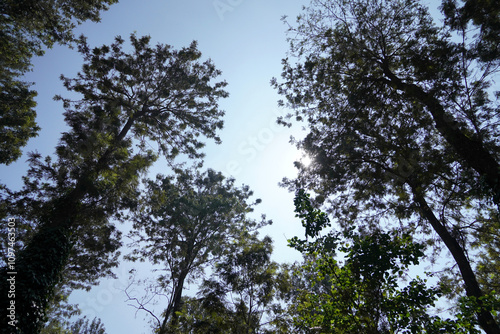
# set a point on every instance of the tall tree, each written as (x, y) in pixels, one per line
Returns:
(243, 295)
(400, 123)
(27, 26)
(130, 102)
(185, 223)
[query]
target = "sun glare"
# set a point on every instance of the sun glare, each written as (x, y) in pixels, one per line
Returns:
(303, 158)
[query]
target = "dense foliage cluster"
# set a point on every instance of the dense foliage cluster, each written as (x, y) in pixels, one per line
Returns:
(27, 27)
(402, 125)
(130, 102)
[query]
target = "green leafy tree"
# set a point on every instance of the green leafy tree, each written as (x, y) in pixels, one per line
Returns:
(401, 125)
(80, 326)
(27, 26)
(84, 326)
(243, 295)
(483, 14)
(364, 291)
(60, 311)
(17, 120)
(185, 222)
(47, 22)
(130, 102)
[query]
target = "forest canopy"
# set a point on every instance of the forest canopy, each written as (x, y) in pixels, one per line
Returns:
(402, 121)
(401, 118)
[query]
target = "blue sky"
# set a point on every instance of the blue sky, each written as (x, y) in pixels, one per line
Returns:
(246, 40)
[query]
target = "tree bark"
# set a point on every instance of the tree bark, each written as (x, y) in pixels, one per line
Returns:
(170, 319)
(484, 317)
(40, 264)
(471, 151)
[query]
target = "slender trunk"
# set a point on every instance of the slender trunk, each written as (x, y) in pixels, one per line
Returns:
(484, 317)
(471, 151)
(170, 318)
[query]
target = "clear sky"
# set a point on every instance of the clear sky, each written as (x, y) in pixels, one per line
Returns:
(246, 40)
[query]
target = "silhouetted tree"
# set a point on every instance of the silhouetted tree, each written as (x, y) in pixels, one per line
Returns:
(401, 124)
(27, 26)
(243, 295)
(130, 102)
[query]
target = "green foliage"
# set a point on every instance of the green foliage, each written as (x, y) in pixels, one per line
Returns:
(487, 241)
(313, 220)
(84, 326)
(483, 14)
(59, 312)
(54, 328)
(155, 88)
(26, 27)
(51, 21)
(402, 126)
(364, 292)
(243, 293)
(186, 222)
(80, 326)
(69, 203)
(17, 121)
(369, 139)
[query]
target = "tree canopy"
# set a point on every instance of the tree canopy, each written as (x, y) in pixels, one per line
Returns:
(360, 282)
(130, 102)
(27, 26)
(402, 125)
(402, 122)
(185, 223)
(243, 295)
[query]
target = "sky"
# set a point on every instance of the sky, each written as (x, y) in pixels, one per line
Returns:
(246, 40)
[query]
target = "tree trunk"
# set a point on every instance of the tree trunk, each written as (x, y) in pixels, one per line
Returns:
(170, 319)
(38, 269)
(484, 317)
(40, 264)
(471, 151)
